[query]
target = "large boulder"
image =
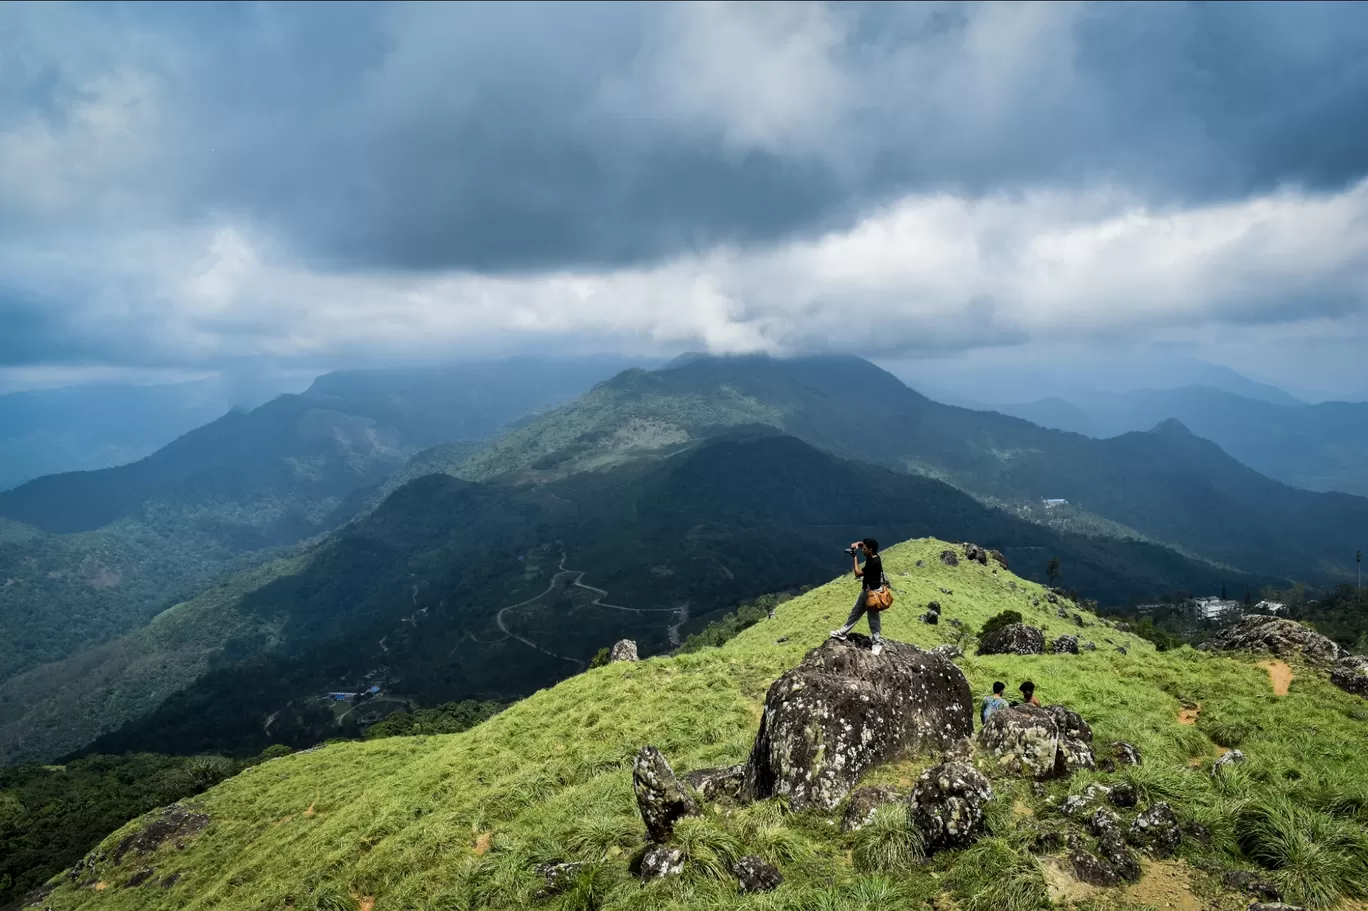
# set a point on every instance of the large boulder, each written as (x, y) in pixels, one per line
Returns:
(1025, 738)
(947, 805)
(660, 797)
(997, 556)
(1045, 742)
(976, 554)
(844, 709)
(1013, 639)
(1111, 845)
(1066, 645)
(1351, 675)
(1275, 635)
(949, 558)
(624, 650)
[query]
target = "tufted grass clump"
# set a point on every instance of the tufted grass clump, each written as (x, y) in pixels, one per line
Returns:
(888, 843)
(458, 822)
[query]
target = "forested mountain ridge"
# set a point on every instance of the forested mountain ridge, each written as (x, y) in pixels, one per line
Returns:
(121, 544)
(420, 592)
(1169, 487)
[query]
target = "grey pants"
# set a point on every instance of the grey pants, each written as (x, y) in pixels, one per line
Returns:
(875, 618)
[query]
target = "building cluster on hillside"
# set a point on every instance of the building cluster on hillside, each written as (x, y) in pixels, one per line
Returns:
(349, 696)
(1055, 501)
(1211, 607)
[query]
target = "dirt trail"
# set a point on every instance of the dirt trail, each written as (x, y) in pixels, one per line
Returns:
(1165, 884)
(1279, 675)
(1189, 715)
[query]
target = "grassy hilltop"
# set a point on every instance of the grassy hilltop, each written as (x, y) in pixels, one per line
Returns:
(458, 822)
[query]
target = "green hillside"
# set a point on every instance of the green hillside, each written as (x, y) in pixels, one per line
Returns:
(667, 543)
(459, 822)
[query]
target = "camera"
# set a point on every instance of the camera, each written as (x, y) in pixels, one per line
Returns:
(852, 550)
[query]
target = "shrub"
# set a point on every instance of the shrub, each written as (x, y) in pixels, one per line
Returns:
(998, 621)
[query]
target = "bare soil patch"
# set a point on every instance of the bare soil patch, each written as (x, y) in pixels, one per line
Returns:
(1279, 675)
(1165, 884)
(1189, 715)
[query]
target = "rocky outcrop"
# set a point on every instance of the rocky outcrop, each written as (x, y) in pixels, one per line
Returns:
(844, 709)
(948, 651)
(1351, 675)
(714, 784)
(623, 650)
(1123, 795)
(660, 797)
(1013, 639)
(1111, 846)
(661, 861)
(949, 558)
(997, 557)
(947, 805)
(862, 804)
(1156, 830)
(1274, 906)
(930, 617)
(976, 554)
(753, 875)
(1085, 804)
(1274, 635)
(1066, 645)
(1075, 741)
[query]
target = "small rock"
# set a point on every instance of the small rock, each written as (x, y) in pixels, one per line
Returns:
(976, 554)
(997, 557)
(946, 591)
(1088, 867)
(1078, 618)
(558, 876)
(623, 650)
(1089, 646)
(1351, 675)
(1084, 805)
(1226, 760)
(1251, 884)
(930, 617)
(1274, 906)
(1156, 830)
(755, 875)
(711, 784)
(661, 861)
(948, 558)
(921, 563)
(137, 879)
(1052, 598)
(1066, 645)
(947, 805)
(933, 607)
(1124, 796)
(660, 797)
(781, 640)
(862, 804)
(1062, 613)
(956, 622)
(1122, 649)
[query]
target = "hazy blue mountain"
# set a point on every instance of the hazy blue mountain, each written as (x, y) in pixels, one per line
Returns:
(1318, 447)
(86, 427)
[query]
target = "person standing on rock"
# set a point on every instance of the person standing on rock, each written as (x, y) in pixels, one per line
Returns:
(994, 703)
(871, 575)
(1028, 696)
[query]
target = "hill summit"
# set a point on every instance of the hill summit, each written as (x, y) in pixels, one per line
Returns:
(1211, 775)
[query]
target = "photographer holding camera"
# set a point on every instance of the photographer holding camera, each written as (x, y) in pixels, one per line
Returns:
(873, 587)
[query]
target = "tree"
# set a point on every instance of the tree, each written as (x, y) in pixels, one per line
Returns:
(1052, 571)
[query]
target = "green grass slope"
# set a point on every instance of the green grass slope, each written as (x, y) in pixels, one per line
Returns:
(457, 822)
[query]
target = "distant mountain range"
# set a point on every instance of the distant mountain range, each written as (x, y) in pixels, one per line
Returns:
(81, 428)
(85, 556)
(1318, 447)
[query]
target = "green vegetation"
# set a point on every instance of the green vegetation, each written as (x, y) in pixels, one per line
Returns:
(731, 624)
(998, 621)
(731, 518)
(459, 821)
(452, 718)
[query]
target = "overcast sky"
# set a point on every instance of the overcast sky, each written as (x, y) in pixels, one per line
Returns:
(242, 186)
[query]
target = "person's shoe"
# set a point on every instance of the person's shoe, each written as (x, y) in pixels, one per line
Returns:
(838, 634)
(876, 648)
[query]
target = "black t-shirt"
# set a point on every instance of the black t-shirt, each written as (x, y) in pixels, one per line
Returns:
(873, 572)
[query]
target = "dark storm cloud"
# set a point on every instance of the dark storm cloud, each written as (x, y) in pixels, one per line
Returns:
(519, 137)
